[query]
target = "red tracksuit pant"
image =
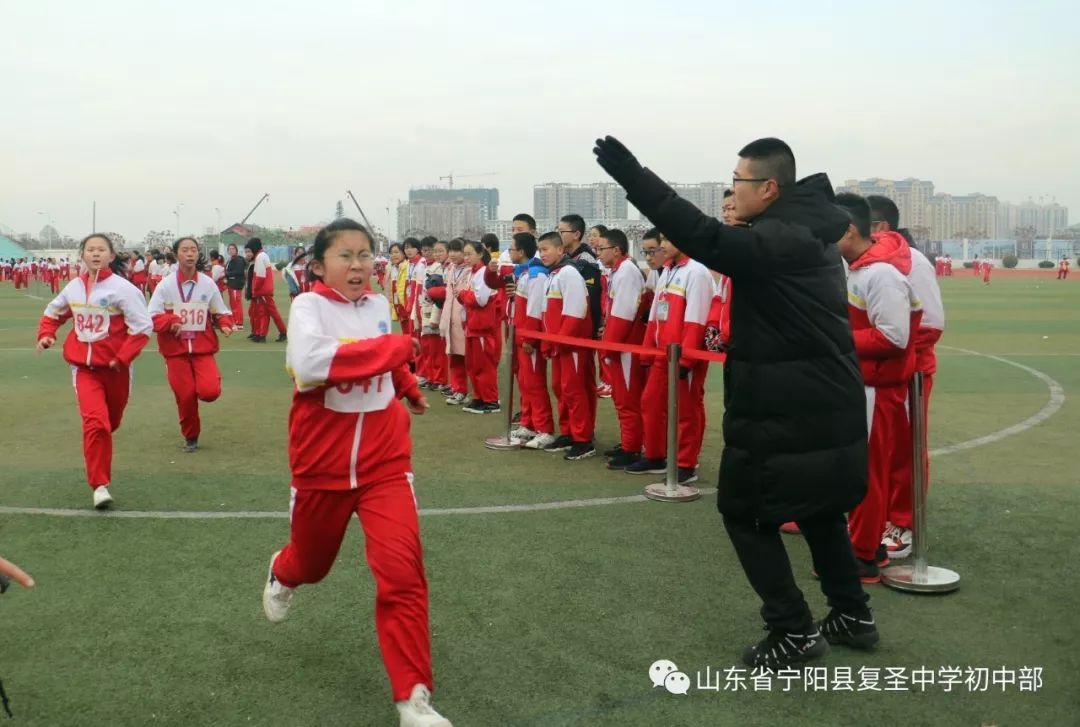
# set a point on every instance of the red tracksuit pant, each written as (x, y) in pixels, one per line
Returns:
(387, 513)
(884, 405)
(432, 358)
(193, 378)
(535, 404)
(102, 395)
(236, 302)
(627, 378)
(900, 495)
(573, 378)
(482, 364)
(691, 413)
(459, 377)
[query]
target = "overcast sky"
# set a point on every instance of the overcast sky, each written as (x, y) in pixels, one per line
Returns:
(144, 105)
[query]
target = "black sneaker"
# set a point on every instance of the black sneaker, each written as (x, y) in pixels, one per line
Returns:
(780, 649)
(258, 339)
(840, 628)
(580, 450)
(622, 460)
(614, 451)
(282, 338)
(516, 419)
(473, 407)
(882, 556)
(563, 441)
(868, 571)
(251, 336)
(648, 467)
(687, 475)
(190, 445)
(490, 407)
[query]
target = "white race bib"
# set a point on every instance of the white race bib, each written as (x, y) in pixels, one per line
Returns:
(374, 394)
(91, 323)
(193, 316)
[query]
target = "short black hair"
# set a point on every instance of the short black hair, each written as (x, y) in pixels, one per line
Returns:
(456, 245)
(481, 249)
(885, 209)
(773, 159)
(410, 242)
(326, 236)
(858, 209)
(490, 241)
(527, 219)
(398, 245)
(428, 241)
(576, 223)
(526, 243)
(254, 244)
(729, 192)
(602, 229)
(617, 238)
(651, 234)
(549, 236)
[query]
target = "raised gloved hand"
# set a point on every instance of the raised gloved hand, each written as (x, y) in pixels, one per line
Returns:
(617, 161)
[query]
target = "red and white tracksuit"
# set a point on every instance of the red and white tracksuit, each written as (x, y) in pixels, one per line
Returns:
(625, 373)
(110, 325)
(1063, 269)
(350, 452)
(883, 311)
(529, 298)
(138, 274)
(263, 308)
(190, 367)
(976, 267)
(573, 369)
(987, 266)
(432, 346)
(925, 287)
(678, 315)
(481, 332)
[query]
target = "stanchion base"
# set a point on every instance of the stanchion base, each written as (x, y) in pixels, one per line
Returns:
(936, 580)
(682, 493)
(501, 444)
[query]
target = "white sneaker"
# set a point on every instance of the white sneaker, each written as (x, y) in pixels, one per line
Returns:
(540, 441)
(102, 499)
(276, 597)
(418, 712)
(521, 435)
(897, 541)
(455, 399)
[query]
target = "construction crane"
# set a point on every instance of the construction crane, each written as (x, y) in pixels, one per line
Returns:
(450, 177)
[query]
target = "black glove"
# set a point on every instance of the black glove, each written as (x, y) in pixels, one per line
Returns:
(684, 371)
(617, 161)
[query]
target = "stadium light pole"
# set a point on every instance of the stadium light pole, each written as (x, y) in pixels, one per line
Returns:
(176, 212)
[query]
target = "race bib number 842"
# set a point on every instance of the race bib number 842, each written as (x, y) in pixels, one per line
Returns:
(91, 323)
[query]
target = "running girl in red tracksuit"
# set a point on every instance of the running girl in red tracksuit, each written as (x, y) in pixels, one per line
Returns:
(184, 308)
(350, 452)
(111, 326)
(263, 308)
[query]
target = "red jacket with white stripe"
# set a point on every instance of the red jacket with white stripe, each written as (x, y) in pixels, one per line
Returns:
(925, 285)
(681, 308)
(883, 311)
(347, 427)
(262, 280)
(481, 305)
(624, 290)
(110, 320)
(566, 305)
(196, 305)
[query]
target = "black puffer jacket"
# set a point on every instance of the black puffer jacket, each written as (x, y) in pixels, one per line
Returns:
(795, 408)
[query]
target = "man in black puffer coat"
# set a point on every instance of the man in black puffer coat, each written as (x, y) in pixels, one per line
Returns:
(794, 406)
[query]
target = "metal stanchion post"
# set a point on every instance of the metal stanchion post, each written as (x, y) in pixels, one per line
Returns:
(504, 443)
(920, 577)
(670, 490)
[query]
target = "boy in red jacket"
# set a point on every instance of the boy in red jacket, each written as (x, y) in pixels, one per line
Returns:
(261, 289)
(350, 453)
(184, 308)
(884, 313)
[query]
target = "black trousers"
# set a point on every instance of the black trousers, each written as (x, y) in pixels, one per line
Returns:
(765, 562)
